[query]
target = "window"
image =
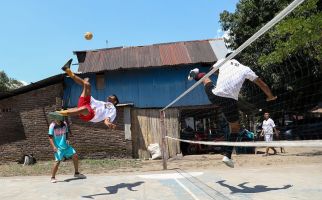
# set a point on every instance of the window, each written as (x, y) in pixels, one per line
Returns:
(127, 123)
(100, 81)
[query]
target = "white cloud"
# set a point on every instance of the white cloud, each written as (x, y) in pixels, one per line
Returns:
(24, 83)
(222, 34)
(226, 35)
(219, 33)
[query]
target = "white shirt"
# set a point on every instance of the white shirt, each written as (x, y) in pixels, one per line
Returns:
(231, 78)
(102, 110)
(268, 126)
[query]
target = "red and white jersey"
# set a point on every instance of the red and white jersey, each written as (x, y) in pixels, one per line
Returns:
(231, 78)
(102, 110)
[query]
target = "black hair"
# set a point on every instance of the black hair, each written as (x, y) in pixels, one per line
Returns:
(116, 99)
(237, 57)
(228, 54)
(62, 123)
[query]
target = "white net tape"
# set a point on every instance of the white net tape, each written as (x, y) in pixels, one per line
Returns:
(300, 143)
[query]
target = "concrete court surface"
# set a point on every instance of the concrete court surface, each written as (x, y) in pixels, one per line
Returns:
(267, 182)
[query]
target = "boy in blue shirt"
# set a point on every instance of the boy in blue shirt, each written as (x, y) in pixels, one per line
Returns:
(58, 138)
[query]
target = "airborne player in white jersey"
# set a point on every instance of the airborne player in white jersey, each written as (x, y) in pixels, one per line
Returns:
(88, 108)
(225, 95)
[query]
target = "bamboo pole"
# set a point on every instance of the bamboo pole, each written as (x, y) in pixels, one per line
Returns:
(164, 142)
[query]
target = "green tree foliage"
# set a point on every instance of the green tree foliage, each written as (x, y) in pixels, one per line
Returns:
(300, 32)
(288, 57)
(7, 84)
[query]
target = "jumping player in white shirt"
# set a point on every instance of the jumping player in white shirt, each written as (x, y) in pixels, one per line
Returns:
(90, 109)
(225, 95)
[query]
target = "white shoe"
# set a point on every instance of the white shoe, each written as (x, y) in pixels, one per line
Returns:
(53, 180)
(228, 162)
(193, 73)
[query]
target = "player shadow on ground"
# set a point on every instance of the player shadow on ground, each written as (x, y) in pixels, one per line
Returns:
(114, 189)
(309, 154)
(245, 189)
(71, 179)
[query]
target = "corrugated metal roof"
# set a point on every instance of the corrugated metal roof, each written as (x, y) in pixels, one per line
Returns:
(157, 55)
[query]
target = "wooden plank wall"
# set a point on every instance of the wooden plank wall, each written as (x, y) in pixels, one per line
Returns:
(145, 129)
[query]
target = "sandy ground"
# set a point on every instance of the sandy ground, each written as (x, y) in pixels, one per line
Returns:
(293, 156)
(296, 174)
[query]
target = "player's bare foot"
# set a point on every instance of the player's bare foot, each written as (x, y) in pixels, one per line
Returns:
(271, 98)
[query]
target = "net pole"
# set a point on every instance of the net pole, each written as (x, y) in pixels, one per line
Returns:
(164, 142)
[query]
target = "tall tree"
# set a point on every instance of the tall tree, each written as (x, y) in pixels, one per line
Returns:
(300, 32)
(288, 56)
(7, 84)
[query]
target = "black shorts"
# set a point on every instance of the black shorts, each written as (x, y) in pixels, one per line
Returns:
(227, 105)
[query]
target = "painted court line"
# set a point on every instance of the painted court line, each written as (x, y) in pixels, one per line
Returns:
(168, 175)
(192, 184)
(174, 176)
(203, 187)
(186, 189)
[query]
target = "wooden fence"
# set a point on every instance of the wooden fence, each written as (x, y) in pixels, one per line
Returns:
(145, 129)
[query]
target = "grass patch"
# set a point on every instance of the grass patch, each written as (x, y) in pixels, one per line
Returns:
(87, 166)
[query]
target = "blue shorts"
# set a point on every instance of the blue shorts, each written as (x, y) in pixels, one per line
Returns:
(67, 153)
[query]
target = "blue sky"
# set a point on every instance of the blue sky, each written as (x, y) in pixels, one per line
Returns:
(37, 37)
